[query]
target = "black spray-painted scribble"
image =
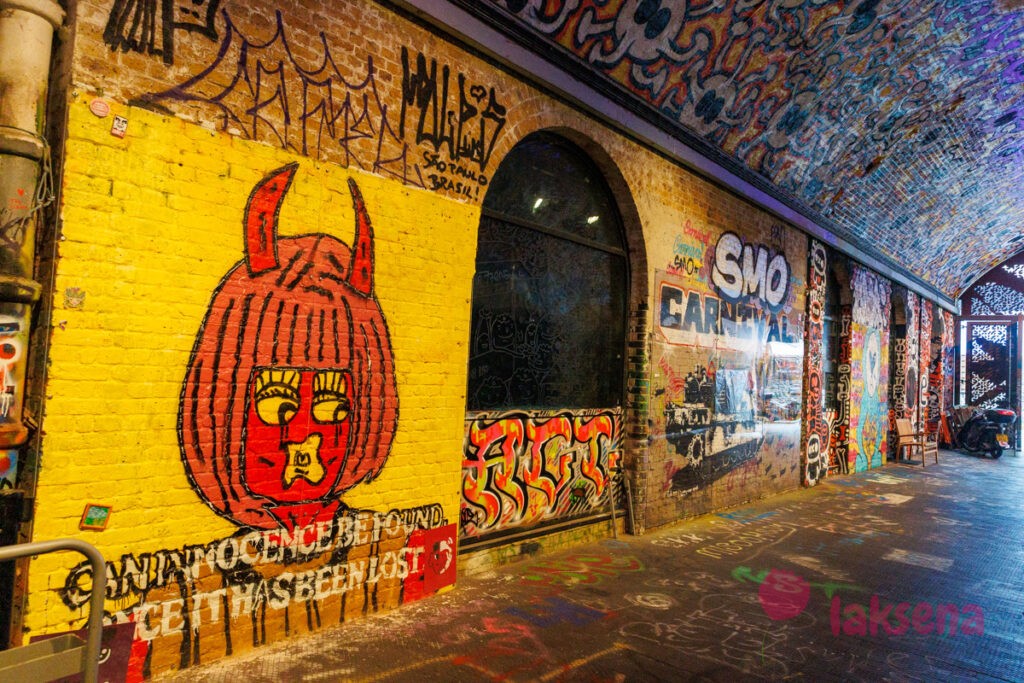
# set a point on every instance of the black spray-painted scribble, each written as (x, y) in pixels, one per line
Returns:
(464, 123)
(261, 91)
(148, 26)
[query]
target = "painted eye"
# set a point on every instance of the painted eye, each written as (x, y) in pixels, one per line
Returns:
(331, 409)
(276, 396)
(276, 410)
(330, 397)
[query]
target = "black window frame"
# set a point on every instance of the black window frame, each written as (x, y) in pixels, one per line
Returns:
(618, 288)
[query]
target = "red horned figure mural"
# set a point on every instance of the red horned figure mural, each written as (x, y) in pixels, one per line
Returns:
(289, 399)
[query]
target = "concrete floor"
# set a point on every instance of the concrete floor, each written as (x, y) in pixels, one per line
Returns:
(792, 588)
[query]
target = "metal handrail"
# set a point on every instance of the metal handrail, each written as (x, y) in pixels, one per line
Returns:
(91, 658)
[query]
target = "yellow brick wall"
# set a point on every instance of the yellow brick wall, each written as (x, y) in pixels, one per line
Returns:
(151, 223)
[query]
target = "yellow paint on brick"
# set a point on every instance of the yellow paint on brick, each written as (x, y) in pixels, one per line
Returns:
(150, 226)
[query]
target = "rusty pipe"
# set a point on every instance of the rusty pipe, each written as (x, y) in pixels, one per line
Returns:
(26, 38)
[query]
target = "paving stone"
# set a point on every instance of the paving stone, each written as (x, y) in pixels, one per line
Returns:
(789, 588)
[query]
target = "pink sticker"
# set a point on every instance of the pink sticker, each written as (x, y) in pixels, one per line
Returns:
(99, 107)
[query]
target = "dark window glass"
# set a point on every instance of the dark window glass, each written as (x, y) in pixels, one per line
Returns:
(547, 181)
(548, 326)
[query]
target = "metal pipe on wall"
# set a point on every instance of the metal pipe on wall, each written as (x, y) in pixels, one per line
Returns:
(26, 38)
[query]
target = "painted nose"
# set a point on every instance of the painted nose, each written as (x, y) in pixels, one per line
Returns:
(304, 461)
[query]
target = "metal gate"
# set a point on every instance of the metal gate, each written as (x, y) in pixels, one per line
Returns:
(989, 364)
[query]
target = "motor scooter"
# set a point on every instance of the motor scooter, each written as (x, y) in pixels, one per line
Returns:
(987, 431)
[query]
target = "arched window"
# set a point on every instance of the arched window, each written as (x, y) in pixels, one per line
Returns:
(549, 295)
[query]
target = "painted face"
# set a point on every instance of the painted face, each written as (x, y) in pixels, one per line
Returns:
(289, 399)
(296, 431)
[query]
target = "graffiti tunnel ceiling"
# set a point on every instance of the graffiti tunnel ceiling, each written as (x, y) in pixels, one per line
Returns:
(897, 126)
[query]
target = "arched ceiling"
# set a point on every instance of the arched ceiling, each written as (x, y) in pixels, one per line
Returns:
(897, 125)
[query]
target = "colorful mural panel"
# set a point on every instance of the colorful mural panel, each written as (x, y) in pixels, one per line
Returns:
(901, 374)
(840, 439)
(913, 336)
(949, 342)
(14, 333)
(8, 468)
(727, 395)
(521, 469)
(816, 427)
(869, 420)
(751, 292)
(898, 379)
(719, 438)
(925, 367)
(933, 407)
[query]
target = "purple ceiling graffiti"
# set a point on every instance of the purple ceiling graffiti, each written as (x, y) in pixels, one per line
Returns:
(898, 123)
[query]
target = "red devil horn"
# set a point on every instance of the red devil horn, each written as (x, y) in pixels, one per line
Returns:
(261, 219)
(361, 274)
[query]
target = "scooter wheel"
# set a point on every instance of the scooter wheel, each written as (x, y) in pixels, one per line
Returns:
(996, 453)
